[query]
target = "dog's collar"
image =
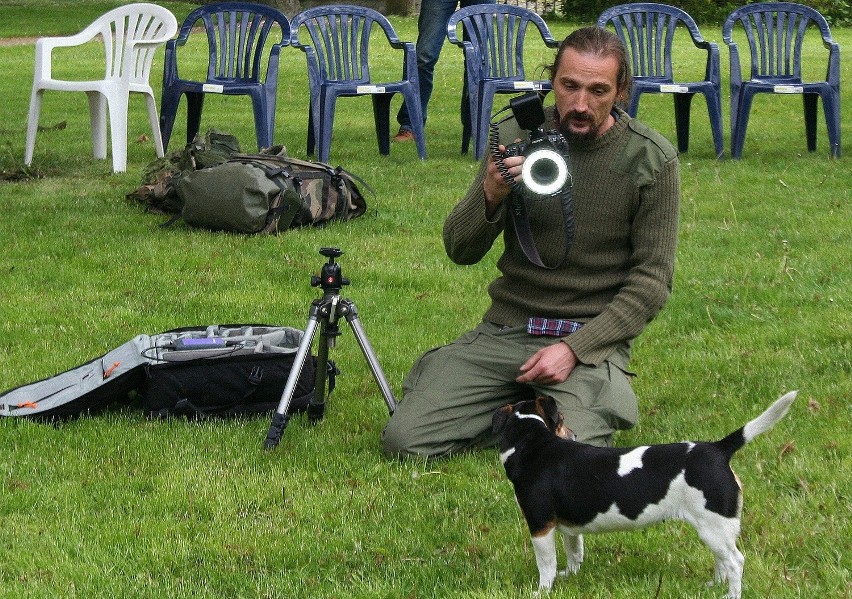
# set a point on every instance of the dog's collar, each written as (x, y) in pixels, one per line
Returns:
(533, 416)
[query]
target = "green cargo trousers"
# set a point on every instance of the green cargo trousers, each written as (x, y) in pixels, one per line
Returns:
(452, 392)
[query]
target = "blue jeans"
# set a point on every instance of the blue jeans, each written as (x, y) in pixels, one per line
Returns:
(431, 34)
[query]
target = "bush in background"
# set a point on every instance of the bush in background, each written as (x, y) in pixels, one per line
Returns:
(710, 12)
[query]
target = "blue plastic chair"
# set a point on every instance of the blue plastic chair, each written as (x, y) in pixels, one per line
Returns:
(237, 34)
(493, 45)
(775, 33)
(647, 30)
(339, 66)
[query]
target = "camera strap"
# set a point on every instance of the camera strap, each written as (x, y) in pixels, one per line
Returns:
(521, 220)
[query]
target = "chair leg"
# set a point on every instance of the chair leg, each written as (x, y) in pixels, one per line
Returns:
(474, 93)
(809, 102)
(632, 107)
(270, 96)
(831, 108)
(468, 112)
(194, 106)
(98, 117)
(480, 134)
(682, 104)
(155, 124)
(326, 127)
(117, 107)
(415, 112)
(738, 134)
(734, 112)
(381, 115)
(168, 112)
(714, 109)
(312, 134)
(466, 132)
(32, 124)
(261, 126)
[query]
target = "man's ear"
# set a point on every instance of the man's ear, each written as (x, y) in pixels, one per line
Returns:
(500, 418)
(548, 410)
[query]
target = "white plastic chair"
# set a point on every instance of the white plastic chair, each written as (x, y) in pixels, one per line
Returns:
(130, 34)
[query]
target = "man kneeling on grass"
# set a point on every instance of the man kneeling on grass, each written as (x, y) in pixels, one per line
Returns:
(567, 331)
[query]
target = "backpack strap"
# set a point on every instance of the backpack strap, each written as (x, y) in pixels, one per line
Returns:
(281, 213)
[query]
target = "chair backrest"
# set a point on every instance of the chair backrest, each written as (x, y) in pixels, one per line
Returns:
(237, 33)
(340, 36)
(495, 38)
(647, 30)
(122, 28)
(775, 32)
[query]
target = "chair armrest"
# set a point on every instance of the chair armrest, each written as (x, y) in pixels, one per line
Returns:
(274, 59)
(735, 71)
(397, 44)
(833, 71)
(409, 64)
(44, 49)
(314, 76)
(714, 69)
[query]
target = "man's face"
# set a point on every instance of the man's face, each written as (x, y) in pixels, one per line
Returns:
(586, 87)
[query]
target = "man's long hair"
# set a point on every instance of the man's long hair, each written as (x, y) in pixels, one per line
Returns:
(598, 42)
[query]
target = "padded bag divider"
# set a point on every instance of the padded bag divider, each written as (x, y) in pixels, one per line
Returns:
(85, 388)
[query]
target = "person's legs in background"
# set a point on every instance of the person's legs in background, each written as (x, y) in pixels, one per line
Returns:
(431, 34)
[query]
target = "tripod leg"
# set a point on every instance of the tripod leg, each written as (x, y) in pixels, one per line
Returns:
(370, 355)
(316, 407)
(280, 418)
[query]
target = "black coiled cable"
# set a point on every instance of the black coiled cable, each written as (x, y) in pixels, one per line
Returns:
(494, 146)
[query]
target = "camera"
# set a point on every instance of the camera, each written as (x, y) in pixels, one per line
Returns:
(545, 171)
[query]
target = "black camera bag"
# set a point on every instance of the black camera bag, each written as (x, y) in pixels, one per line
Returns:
(224, 386)
(217, 370)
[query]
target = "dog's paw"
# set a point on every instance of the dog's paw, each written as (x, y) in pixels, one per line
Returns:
(544, 586)
(731, 594)
(571, 568)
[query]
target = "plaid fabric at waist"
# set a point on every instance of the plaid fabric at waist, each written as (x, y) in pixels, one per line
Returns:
(554, 327)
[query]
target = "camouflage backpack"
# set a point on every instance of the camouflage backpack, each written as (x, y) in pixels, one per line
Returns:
(158, 191)
(269, 192)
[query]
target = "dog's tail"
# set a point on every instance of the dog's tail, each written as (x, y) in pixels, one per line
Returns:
(761, 424)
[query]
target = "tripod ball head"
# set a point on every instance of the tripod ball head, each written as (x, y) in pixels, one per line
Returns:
(330, 278)
(330, 252)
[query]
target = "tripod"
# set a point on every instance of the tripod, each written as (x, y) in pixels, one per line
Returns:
(325, 312)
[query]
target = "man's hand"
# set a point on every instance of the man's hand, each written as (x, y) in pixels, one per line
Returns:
(495, 186)
(550, 365)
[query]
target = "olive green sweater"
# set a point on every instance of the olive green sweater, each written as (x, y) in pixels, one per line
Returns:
(618, 272)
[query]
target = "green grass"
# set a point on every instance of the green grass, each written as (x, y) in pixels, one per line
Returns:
(117, 506)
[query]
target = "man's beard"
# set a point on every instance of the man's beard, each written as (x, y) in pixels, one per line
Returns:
(578, 139)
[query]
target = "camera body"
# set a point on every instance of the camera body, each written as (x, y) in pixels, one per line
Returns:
(545, 171)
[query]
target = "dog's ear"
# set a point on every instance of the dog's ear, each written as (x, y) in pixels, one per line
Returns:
(549, 411)
(500, 418)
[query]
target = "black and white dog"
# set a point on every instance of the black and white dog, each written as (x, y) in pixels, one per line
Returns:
(578, 488)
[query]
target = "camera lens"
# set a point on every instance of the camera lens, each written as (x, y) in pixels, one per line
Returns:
(544, 172)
